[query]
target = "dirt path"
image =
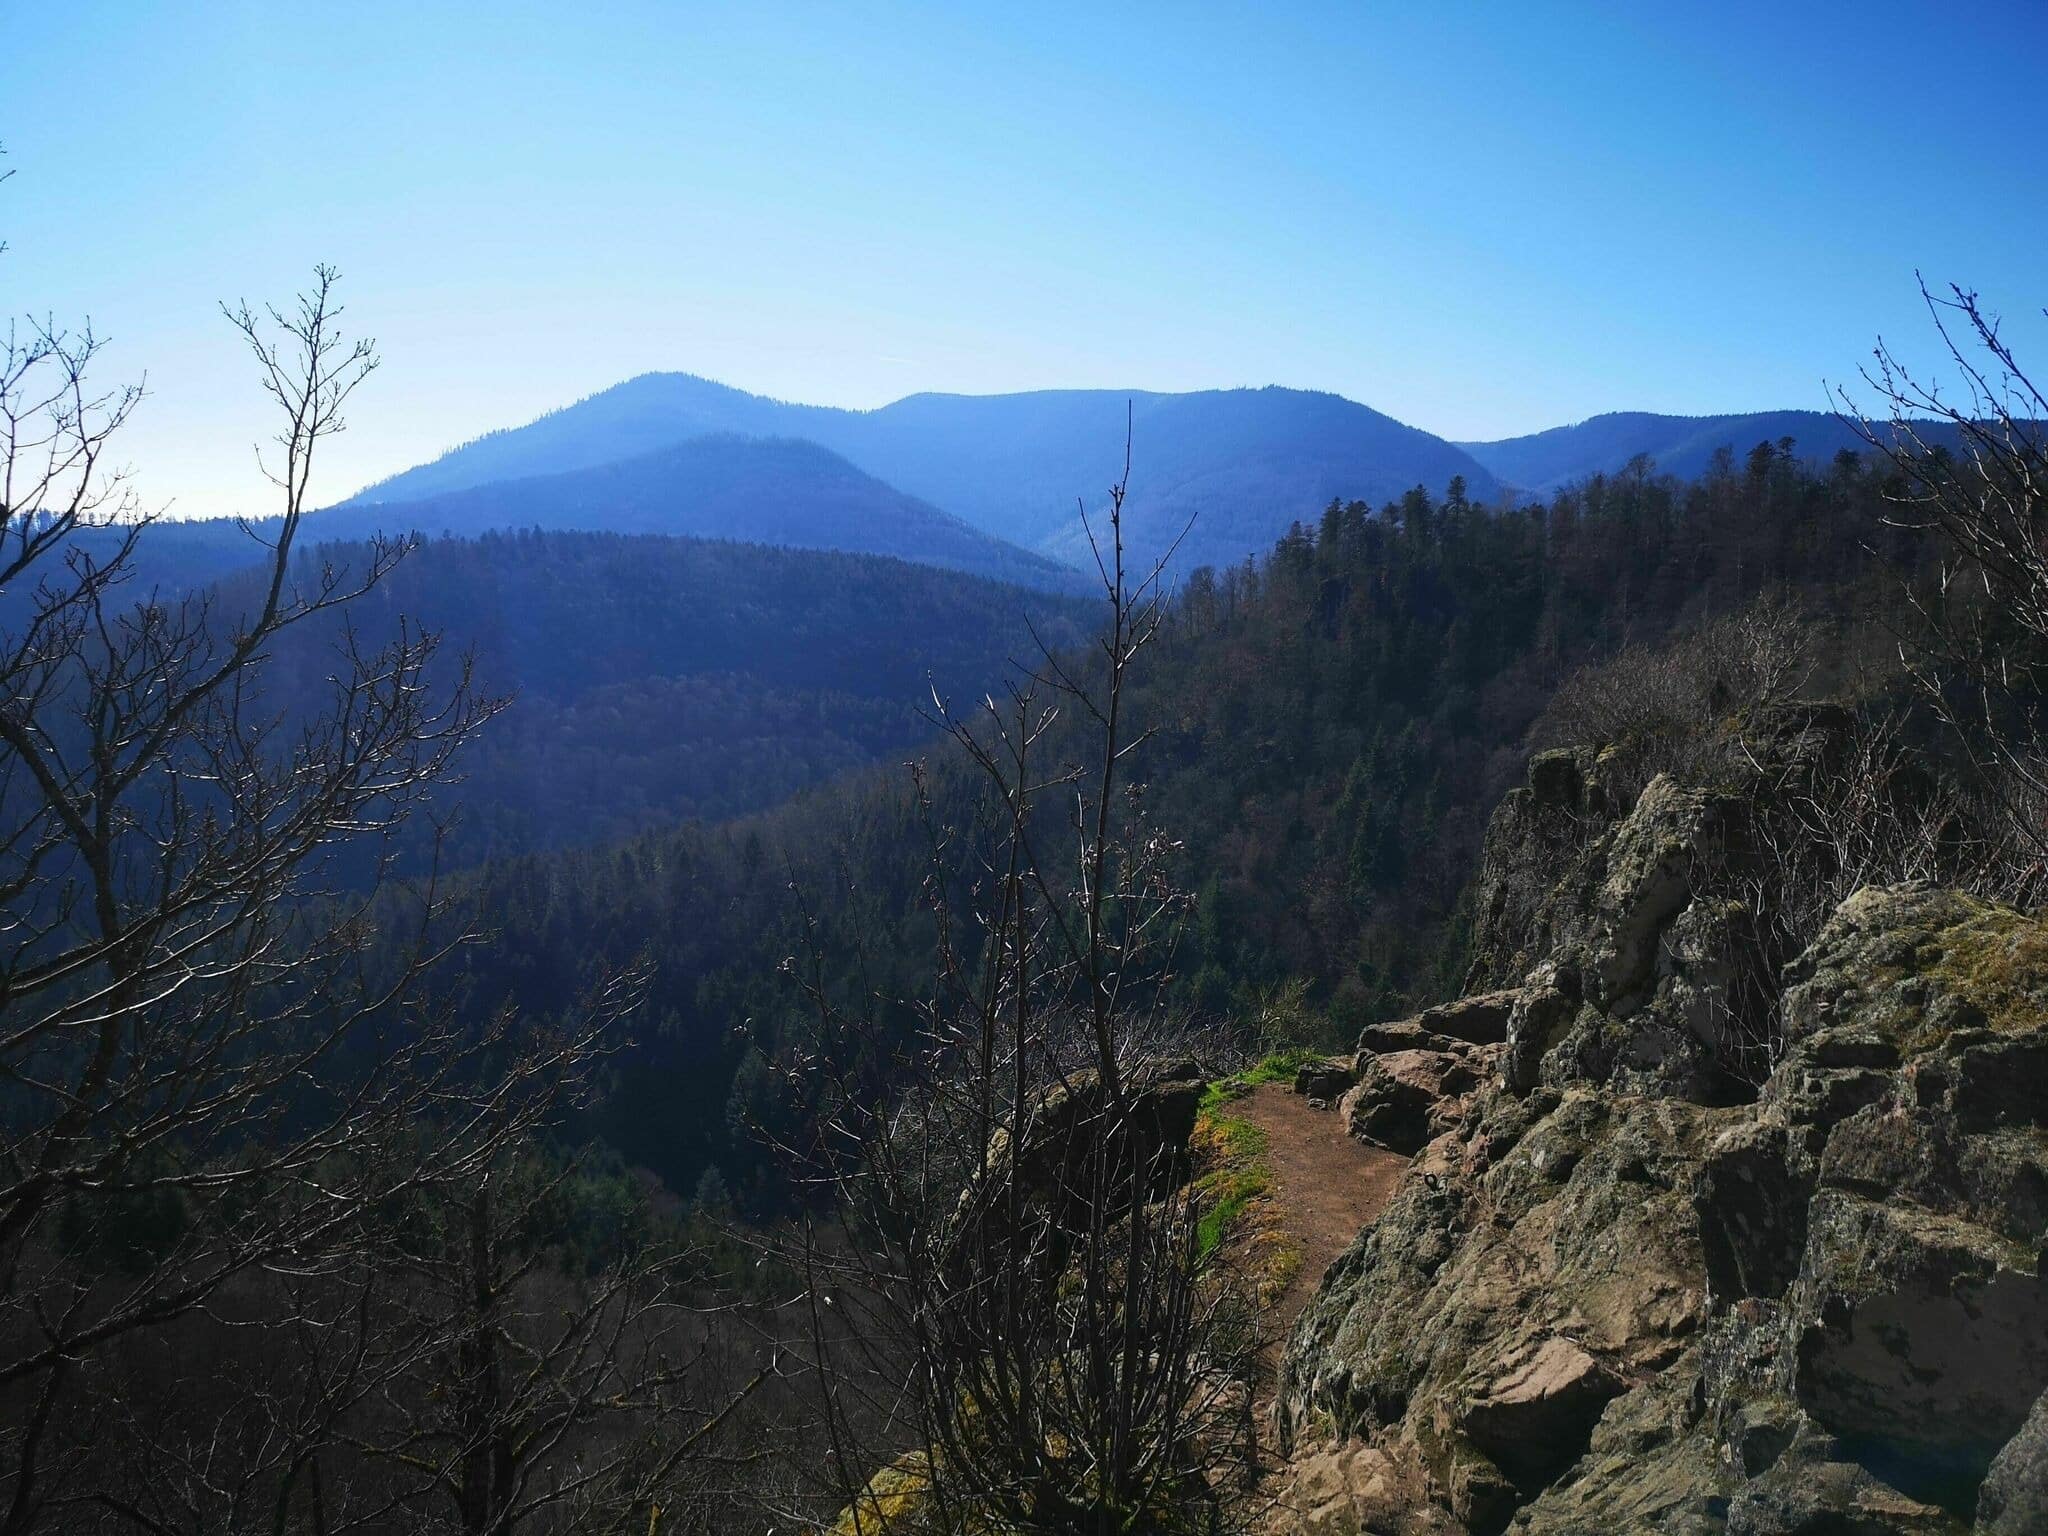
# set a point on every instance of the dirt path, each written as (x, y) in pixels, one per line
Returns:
(1325, 1186)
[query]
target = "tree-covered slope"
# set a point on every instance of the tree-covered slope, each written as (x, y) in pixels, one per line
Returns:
(653, 680)
(1333, 726)
(758, 490)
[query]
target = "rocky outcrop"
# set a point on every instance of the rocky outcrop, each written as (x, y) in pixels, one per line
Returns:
(1481, 1019)
(1629, 1284)
(1342, 1489)
(1081, 1145)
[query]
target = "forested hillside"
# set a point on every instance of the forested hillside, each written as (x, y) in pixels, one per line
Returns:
(653, 680)
(1333, 725)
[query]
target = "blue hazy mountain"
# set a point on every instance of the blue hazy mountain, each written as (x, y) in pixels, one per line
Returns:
(758, 490)
(1242, 464)
(1017, 467)
(1681, 445)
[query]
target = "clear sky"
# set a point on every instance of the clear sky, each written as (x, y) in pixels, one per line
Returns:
(1482, 218)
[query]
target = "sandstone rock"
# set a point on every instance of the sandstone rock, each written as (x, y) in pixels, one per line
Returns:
(1815, 1488)
(1918, 1333)
(1625, 1285)
(1477, 1020)
(1751, 1198)
(1648, 882)
(1074, 1140)
(1644, 1469)
(1580, 1230)
(1481, 1496)
(1350, 1488)
(1537, 835)
(1557, 778)
(1542, 1012)
(1403, 1035)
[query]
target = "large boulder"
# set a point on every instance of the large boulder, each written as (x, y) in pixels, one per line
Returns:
(1534, 1419)
(1918, 1335)
(1481, 1019)
(1078, 1145)
(1349, 1487)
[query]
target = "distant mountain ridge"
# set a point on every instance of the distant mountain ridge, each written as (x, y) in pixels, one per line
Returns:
(1243, 464)
(762, 490)
(1005, 485)
(1684, 446)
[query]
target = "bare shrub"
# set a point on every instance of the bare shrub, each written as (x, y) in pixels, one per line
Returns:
(1659, 707)
(1872, 813)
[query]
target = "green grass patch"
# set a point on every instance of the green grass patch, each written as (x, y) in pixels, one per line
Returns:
(1278, 1067)
(1281, 1066)
(1234, 1149)
(1225, 1194)
(1220, 1092)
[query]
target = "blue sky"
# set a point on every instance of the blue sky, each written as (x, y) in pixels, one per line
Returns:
(1482, 218)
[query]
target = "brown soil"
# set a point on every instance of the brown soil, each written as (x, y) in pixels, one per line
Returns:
(1325, 1186)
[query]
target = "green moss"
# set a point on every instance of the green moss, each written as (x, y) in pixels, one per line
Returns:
(1997, 960)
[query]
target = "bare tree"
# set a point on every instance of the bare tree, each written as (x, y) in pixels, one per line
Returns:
(1015, 1318)
(1972, 470)
(1868, 812)
(205, 1073)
